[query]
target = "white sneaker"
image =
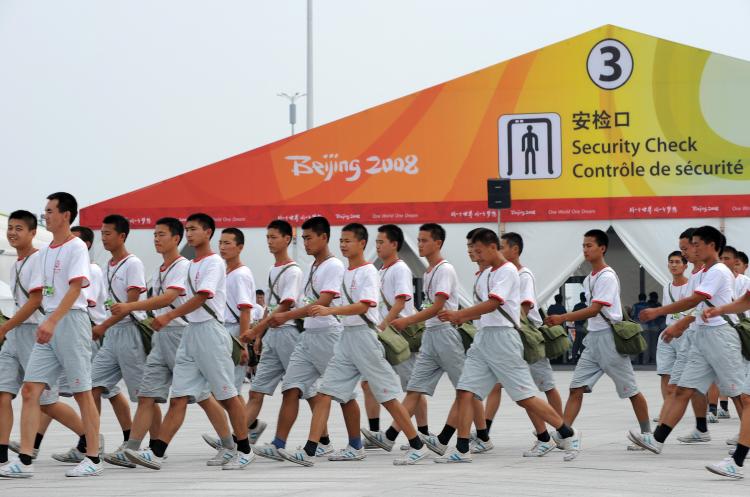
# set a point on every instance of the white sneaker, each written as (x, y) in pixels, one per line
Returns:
(453, 456)
(571, 446)
(378, 438)
(144, 457)
(85, 468)
(645, 440)
(734, 440)
(540, 449)
(254, 434)
(73, 456)
(15, 469)
(324, 450)
(239, 461)
(212, 441)
(298, 456)
(635, 448)
(371, 446)
(727, 468)
(222, 456)
(347, 454)
(655, 419)
(15, 446)
(269, 451)
(433, 443)
(695, 437)
(406, 447)
(118, 458)
(412, 457)
(711, 417)
(480, 447)
(732, 450)
(722, 414)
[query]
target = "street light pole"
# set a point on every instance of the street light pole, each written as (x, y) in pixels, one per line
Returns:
(309, 64)
(292, 106)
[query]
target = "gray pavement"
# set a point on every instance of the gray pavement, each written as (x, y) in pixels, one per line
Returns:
(604, 467)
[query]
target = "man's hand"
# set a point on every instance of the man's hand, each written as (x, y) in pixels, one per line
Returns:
(277, 319)
(670, 333)
(554, 320)
(98, 332)
(647, 315)
(399, 324)
(160, 321)
(244, 357)
(246, 336)
(45, 331)
(120, 309)
(257, 346)
(319, 311)
(710, 312)
(450, 316)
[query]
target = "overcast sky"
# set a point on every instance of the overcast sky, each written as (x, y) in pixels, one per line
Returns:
(101, 97)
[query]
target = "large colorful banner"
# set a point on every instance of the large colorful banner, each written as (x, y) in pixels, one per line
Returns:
(610, 124)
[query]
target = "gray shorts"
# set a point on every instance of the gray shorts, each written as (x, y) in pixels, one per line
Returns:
(715, 357)
(666, 355)
(442, 351)
(405, 369)
(204, 362)
(498, 360)
(310, 359)
(600, 357)
(542, 374)
(64, 388)
(68, 352)
(240, 370)
(121, 357)
(681, 359)
(359, 354)
(157, 373)
(278, 345)
(14, 357)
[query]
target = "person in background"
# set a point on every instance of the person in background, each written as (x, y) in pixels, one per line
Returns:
(653, 327)
(580, 329)
(557, 307)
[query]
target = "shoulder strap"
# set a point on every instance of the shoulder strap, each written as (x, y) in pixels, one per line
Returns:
(429, 284)
(204, 306)
(726, 318)
(364, 317)
(110, 278)
(314, 268)
(276, 280)
(19, 286)
(171, 305)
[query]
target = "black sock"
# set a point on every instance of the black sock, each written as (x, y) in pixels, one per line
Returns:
(740, 453)
(724, 404)
(701, 425)
(543, 436)
(234, 437)
(483, 435)
(325, 440)
(81, 444)
(310, 448)
(445, 436)
(94, 459)
(712, 408)
(416, 443)
(158, 447)
(151, 444)
(253, 425)
(489, 424)
(424, 430)
(3, 453)
(462, 445)
(565, 431)
(244, 445)
(662, 432)
(38, 440)
(126, 435)
(25, 459)
(391, 433)
(374, 424)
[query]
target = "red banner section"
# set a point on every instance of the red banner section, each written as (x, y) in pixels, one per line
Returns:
(450, 212)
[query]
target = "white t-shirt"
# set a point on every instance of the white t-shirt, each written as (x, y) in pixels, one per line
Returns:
(172, 277)
(61, 264)
(286, 288)
(207, 275)
(240, 293)
(696, 276)
(22, 274)
(741, 286)
(441, 280)
(480, 285)
(122, 277)
(717, 285)
(396, 281)
(528, 294)
(96, 294)
(504, 286)
(257, 312)
(677, 293)
(603, 287)
(323, 278)
(363, 285)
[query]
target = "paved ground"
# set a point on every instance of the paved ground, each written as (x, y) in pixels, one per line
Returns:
(604, 468)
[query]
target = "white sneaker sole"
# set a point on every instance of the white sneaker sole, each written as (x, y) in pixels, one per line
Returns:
(142, 462)
(117, 462)
(719, 472)
(267, 456)
(642, 445)
(211, 441)
(376, 442)
(16, 475)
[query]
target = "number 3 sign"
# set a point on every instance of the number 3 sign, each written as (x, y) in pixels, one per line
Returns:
(609, 64)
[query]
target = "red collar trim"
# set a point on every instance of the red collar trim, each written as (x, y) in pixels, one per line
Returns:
(201, 258)
(391, 264)
(357, 267)
(594, 273)
(53, 246)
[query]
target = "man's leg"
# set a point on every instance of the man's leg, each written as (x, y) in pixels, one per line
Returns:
(121, 407)
(31, 414)
(63, 414)
(90, 418)
(217, 417)
(142, 420)
(554, 399)
(253, 407)
(6, 424)
(420, 413)
(573, 405)
(372, 408)
(288, 412)
(236, 410)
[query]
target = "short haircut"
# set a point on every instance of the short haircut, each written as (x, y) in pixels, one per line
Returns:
(318, 225)
(204, 220)
(601, 238)
(582, 296)
(471, 234)
(281, 226)
(731, 250)
(394, 234)
(641, 296)
(65, 203)
(360, 232)
(436, 231)
(259, 291)
(688, 233)
(742, 256)
(653, 295)
(239, 237)
(175, 226)
(486, 237)
(27, 217)
(709, 234)
(122, 225)
(677, 253)
(558, 298)
(86, 234)
(514, 240)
